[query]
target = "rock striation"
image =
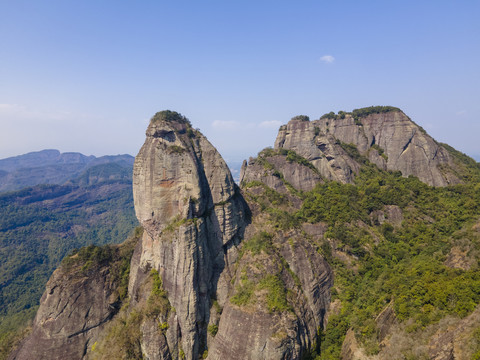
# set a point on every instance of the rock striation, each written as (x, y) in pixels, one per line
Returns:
(81, 297)
(193, 216)
(196, 223)
(387, 138)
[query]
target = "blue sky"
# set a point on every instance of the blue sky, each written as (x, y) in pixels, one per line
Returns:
(87, 75)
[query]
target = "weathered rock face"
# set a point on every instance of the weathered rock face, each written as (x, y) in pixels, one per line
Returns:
(67, 320)
(193, 215)
(301, 177)
(390, 140)
(320, 148)
(79, 300)
(268, 333)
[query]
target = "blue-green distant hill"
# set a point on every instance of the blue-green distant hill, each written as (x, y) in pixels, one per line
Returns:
(53, 167)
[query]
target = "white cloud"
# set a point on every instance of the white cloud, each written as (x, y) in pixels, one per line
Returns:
(327, 59)
(225, 125)
(7, 106)
(461, 112)
(270, 124)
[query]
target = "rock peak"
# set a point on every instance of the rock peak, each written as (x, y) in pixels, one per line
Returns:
(168, 121)
(193, 216)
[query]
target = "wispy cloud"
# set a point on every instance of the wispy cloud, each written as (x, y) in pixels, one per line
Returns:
(461, 112)
(7, 106)
(270, 124)
(225, 124)
(327, 59)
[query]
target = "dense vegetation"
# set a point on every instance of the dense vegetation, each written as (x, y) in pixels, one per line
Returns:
(402, 260)
(301, 118)
(40, 225)
(402, 263)
(358, 113)
(170, 116)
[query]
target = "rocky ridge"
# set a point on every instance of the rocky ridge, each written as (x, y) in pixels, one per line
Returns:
(386, 136)
(193, 216)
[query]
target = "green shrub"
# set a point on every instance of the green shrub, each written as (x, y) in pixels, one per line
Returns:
(330, 115)
(380, 151)
(243, 293)
(353, 152)
(259, 242)
(362, 112)
(301, 118)
(170, 116)
(175, 149)
(157, 302)
(213, 329)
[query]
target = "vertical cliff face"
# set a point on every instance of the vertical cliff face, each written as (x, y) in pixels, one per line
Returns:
(388, 139)
(74, 310)
(193, 214)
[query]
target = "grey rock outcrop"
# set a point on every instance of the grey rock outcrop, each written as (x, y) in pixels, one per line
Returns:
(390, 140)
(80, 299)
(276, 333)
(195, 220)
(320, 148)
(301, 177)
(193, 215)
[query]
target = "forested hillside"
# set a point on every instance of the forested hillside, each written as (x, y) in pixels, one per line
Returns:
(40, 225)
(392, 242)
(404, 254)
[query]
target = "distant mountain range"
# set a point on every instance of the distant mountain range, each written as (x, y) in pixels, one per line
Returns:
(54, 167)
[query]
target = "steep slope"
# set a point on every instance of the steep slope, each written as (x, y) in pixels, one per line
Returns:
(80, 298)
(194, 219)
(192, 214)
(53, 167)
